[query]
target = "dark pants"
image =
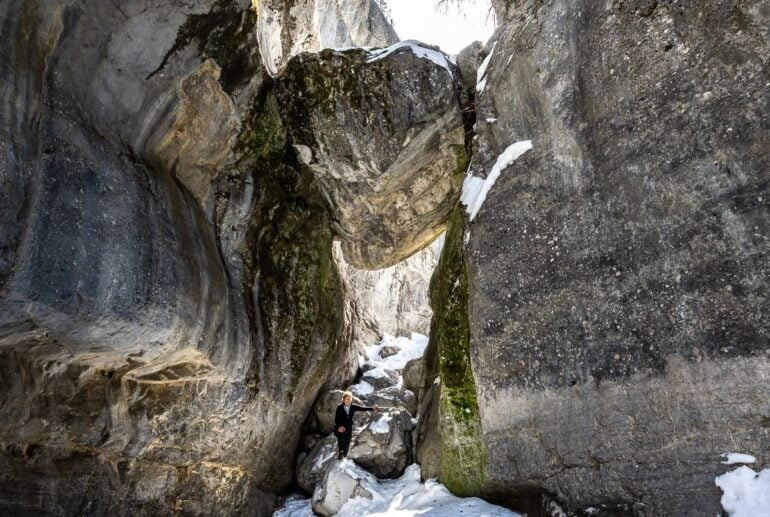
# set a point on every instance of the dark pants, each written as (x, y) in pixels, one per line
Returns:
(343, 442)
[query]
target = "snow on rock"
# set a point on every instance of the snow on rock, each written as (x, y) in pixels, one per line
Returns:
(409, 348)
(746, 492)
(312, 468)
(475, 189)
(381, 426)
(481, 79)
(362, 389)
(342, 482)
(403, 496)
(735, 457)
(417, 49)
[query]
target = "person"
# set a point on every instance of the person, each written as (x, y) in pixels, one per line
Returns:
(343, 422)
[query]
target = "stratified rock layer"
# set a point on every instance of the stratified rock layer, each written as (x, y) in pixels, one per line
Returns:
(618, 272)
(383, 135)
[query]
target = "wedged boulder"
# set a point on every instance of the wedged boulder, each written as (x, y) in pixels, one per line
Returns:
(313, 466)
(325, 408)
(384, 445)
(394, 396)
(343, 481)
(380, 378)
(382, 133)
(287, 28)
(616, 276)
(413, 375)
(468, 62)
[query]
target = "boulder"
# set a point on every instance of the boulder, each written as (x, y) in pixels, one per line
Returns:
(325, 408)
(615, 277)
(413, 375)
(342, 482)
(312, 467)
(384, 445)
(380, 378)
(388, 351)
(468, 62)
(382, 133)
(394, 396)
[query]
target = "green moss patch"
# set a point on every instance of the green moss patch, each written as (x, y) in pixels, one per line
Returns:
(463, 455)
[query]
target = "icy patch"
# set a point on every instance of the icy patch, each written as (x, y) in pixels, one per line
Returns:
(381, 426)
(417, 49)
(735, 457)
(409, 348)
(746, 493)
(404, 496)
(475, 189)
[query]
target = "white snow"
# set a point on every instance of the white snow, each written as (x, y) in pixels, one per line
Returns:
(475, 189)
(362, 388)
(410, 348)
(736, 457)
(746, 492)
(402, 497)
(381, 426)
(425, 53)
(481, 80)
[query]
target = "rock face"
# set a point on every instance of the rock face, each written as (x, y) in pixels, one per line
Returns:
(393, 299)
(169, 304)
(382, 133)
(289, 27)
(615, 280)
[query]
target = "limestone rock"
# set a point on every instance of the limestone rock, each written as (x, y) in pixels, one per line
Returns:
(312, 468)
(166, 273)
(394, 299)
(388, 351)
(287, 28)
(342, 482)
(394, 396)
(617, 272)
(380, 378)
(385, 141)
(384, 445)
(468, 62)
(414, 374)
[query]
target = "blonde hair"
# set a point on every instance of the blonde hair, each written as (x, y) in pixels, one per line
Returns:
(347, 394)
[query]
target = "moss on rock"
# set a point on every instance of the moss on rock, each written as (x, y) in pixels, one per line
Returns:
(463, 455)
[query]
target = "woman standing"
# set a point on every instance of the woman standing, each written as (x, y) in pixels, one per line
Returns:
(343, 421)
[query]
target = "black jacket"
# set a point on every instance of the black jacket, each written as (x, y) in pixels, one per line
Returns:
(346, 420)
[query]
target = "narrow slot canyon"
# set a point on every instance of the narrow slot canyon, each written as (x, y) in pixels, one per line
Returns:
(533, 234)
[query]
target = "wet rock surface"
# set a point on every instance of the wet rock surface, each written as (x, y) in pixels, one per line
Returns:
(382, 133)
(617, 272)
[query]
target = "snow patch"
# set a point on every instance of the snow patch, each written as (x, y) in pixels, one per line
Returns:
(481, 80)
(475, 189)
(417, 49)
(746, 492)
(361, 389)
(401, 497)
(736, 457)
(409, 348)
(382, 425)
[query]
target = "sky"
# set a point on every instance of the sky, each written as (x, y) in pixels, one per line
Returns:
(451, 28)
